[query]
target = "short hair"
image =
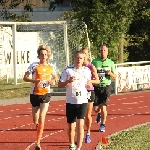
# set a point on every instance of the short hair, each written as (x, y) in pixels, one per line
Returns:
(76, 53)
(104, 44)
(84, 48)
(44, 47)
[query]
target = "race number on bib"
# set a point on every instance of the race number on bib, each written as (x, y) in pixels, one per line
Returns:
(76, 92)
(101, 76)
(43, 84)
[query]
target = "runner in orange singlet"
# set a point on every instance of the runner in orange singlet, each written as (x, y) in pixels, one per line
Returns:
(43, 76)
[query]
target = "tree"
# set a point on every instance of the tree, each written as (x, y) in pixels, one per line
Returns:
(6, 5)
(107, 21)
(139, 33)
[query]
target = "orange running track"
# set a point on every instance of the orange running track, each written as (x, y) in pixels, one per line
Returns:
(17, 132)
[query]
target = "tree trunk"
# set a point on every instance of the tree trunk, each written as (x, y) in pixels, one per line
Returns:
(120, 50)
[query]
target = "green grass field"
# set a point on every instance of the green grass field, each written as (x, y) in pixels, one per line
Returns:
(137, 138)
(9, 90)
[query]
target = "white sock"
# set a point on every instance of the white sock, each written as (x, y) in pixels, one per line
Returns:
(78, 149)
(72, 145)
(87, 133)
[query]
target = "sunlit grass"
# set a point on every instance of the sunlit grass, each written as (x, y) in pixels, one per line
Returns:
(10, 90)
(136, 139)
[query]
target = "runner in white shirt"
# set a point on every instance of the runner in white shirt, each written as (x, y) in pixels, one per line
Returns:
(76, 78)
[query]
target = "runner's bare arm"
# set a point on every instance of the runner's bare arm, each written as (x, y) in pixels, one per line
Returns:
(95, 77)
(55, 77)
(111, 72)
(112, 75)
(28, 79)
(63, 84)
(53, 80)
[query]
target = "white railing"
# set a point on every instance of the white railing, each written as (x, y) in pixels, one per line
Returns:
(132, 76)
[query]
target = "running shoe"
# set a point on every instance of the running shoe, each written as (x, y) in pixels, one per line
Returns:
(102, 128)
(87, 139)
(72, 147)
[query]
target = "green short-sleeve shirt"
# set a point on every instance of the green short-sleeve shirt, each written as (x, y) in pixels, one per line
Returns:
(101, 67)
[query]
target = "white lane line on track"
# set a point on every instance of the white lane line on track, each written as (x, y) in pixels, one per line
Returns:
(10, 129)
(6, 118)
(130, 103)
(52, 111)
(140, 107)
(15, 116)
(13, 128)
(29, 146)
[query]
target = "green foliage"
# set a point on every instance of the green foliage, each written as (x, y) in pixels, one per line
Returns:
(106, 21)
(10, 4)
(28, 7)
(7, 15)
(139, 33)
(24, 17)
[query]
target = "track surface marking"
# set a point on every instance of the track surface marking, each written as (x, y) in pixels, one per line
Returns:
(17, 131)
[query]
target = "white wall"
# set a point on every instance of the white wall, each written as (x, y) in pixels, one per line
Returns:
(43, 14)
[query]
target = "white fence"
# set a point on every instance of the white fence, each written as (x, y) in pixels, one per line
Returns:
(132, 76)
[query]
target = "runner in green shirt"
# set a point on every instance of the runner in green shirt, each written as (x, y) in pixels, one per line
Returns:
(106, 72)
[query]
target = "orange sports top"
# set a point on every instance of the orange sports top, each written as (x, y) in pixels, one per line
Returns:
(42, 73)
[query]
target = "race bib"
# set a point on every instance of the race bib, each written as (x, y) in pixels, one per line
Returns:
(89, 95)
(101, 76)
(43, 84)
(77, 89)
(76, 92)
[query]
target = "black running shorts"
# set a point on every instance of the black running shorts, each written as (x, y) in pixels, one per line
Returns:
(35, 100)
(102, 95)
(74, 111)
(91, 96)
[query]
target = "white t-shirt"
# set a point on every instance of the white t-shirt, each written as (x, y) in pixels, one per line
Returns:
(76, 92)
